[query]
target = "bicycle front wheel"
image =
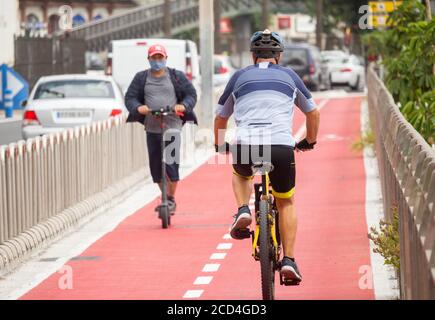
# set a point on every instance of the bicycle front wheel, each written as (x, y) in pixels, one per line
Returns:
(266, 254)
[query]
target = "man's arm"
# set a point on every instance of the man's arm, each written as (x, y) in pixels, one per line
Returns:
(223, 113)
(220, 127)
(312, 115)
(135, 95)
(189, 93)
(313, 120)
(305, 102)
(224, 110)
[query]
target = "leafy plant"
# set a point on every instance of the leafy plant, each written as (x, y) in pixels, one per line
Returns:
(366, 140)
(387, 241)
(408, 52)
(421, 114)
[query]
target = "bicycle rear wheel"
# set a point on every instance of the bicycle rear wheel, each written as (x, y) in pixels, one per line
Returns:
(266, 254)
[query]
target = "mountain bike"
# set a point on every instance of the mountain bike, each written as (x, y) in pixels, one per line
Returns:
(266, 241)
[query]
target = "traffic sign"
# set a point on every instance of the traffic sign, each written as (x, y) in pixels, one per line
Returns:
(379, 20)
(13, 90)
(379, 12)
(383, 6)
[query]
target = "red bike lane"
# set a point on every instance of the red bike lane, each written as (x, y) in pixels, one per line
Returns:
(194, 259)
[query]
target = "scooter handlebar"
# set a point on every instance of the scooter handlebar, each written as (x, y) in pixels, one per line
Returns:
(165, 111)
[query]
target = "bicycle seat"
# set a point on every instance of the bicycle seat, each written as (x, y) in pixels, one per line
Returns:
(262, 167)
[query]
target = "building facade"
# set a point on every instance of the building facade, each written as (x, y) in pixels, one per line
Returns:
(41, 17)
(9, 26)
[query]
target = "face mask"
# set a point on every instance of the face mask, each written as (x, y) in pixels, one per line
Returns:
(157, 65)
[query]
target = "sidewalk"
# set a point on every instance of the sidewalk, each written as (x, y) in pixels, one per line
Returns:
(17, 116)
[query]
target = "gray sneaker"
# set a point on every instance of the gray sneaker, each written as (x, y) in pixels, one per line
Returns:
(289, 270)
(242, 221)
(172, 205)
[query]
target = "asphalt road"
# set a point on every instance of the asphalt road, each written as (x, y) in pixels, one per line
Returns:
(10, 131)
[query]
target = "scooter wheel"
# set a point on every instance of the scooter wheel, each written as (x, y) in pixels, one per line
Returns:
(164, 216)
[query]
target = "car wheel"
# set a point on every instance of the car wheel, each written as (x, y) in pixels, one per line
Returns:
(361, 85)
(357, 85)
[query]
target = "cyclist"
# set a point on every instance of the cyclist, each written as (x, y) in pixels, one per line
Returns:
(262, 97)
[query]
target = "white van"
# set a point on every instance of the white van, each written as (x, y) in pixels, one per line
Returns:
(127, 57)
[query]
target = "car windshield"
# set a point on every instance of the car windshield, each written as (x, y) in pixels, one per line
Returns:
(334, 57)
(295, 57)
(74, 89)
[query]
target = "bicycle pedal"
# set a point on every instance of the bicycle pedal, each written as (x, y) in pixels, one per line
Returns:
(289, 282)
(242, 233)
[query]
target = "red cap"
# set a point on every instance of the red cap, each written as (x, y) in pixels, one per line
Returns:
(157, 49)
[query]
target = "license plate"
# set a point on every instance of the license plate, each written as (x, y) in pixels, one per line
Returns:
(73, 114)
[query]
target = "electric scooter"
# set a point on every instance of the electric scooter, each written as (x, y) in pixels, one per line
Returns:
(163, 208)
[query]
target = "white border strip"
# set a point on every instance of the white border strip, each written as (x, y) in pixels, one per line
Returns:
(384, 279)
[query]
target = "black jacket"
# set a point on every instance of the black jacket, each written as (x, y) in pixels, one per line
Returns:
(184, 91)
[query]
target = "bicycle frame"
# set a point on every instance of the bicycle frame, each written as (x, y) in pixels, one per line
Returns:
(266, 196)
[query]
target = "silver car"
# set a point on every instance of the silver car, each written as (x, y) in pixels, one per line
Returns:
(65, 101)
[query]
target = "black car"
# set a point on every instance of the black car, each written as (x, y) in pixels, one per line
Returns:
(305, 60)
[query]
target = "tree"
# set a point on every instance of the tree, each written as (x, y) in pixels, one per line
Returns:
(408, 54)
(335, 12)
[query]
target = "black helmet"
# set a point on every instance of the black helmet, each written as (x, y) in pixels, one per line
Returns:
(266, 41)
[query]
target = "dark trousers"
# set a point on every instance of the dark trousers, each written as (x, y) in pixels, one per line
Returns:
(172, 153)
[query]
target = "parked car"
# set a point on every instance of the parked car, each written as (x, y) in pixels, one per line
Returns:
(330, 55)
(223, 69)
(329, 58)
(64, 101)
(305, 60)
(344, 69)
(127, 57)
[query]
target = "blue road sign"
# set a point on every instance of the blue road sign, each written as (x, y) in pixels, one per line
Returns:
(13, 90)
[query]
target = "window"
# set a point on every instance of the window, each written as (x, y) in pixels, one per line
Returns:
(295, 57)
(74, 89)
(78, 20)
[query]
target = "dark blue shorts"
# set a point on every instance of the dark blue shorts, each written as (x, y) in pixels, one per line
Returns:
(172, 151)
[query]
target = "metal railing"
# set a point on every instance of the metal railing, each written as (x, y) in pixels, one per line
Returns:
(147, 21)
(42, 177)
(407, 170)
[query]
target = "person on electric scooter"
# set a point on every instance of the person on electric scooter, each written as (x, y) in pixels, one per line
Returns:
(152, 89)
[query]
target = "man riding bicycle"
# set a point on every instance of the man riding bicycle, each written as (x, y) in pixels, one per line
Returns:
(262, 97)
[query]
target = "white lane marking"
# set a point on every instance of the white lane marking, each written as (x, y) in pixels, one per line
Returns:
(224, 246)
(331, 137)
(203, 280)
(193, 294)
(211, 267)
(385, 283)
(301, 131)
(218, 256)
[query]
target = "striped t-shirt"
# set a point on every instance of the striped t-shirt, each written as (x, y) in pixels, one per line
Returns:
(262, 98)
